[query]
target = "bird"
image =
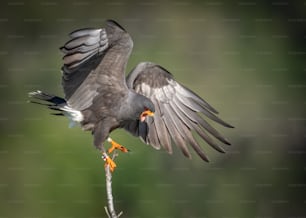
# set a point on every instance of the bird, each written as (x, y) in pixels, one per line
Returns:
(148, 103)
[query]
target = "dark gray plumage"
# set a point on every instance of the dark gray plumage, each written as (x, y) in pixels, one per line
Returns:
(98, 96)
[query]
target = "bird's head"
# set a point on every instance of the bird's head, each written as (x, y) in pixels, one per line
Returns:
(148, 110)
(137, 107)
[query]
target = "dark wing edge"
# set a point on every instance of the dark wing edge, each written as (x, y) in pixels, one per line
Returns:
(179, 112)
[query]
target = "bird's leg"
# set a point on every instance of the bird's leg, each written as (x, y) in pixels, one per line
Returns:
(108, 161)
(115, 145)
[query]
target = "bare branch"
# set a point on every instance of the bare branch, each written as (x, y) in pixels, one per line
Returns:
(110, 209)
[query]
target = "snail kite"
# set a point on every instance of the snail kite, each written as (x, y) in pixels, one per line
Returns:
(149, 103)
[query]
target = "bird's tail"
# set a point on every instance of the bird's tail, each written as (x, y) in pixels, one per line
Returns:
(51, 101)
(57, 104)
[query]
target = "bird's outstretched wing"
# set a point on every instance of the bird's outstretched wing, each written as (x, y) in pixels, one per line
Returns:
(94, 62)
(179, 112)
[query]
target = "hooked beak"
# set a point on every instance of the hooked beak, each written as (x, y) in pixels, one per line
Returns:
(144, 114)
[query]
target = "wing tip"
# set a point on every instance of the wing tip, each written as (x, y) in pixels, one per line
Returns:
(223, 140)
(205, 158)
(228, 125)
(114, 23)
(227, 142)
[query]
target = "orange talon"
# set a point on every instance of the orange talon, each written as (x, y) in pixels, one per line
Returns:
(115, 145)
(109, 162)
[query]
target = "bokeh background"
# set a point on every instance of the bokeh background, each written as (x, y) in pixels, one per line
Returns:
(246, 58)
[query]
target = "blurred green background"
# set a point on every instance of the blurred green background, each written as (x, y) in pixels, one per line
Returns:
(246, 58)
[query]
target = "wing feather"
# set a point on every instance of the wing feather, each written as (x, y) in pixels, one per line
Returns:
(196, 107)
(179, 111)
(89, 69)
(153, 138)
(189, 118)
(174, 131)
(85, 32)
(190, 94)
(83, 46)
(161, 130)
